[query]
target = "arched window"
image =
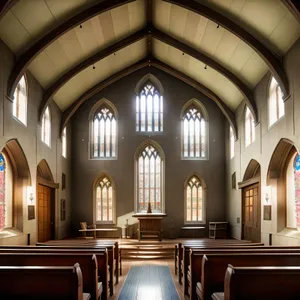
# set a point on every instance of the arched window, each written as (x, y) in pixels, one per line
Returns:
(104, 132)
(231, 139)
(276, 104)
(46, 127)
(293, 192)
(249, 127)
(194, 128)
(194, 201)
(6, 192)
(104, 200)
(64, 143)
(150, 178)
(20, 101)
(149, 109)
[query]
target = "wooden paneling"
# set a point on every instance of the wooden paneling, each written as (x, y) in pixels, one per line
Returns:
(44, 213)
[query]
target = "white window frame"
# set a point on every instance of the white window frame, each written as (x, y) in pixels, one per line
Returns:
(249, 127)
(46, 125)
(276, 104)
(19, 96)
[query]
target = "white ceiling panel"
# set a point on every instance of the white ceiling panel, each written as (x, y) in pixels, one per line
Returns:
(195, 69)
(89, 77)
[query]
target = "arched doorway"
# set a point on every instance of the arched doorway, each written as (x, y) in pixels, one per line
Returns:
(251, 207)
(45, 202)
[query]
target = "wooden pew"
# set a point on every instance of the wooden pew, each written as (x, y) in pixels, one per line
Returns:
(103, 273)
(88, 265)
(93, 245)
(214, 267)
(42, 283)
(183, 251)
(260, 283)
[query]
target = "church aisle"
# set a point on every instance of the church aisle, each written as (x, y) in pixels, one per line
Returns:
(127, 264)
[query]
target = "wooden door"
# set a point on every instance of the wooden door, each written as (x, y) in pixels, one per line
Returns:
(251, 213)
(44, 213)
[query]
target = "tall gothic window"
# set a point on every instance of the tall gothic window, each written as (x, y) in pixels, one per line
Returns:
(276, 104)
(194, 200)
(249, 127)
(194, 133)
(46, 127)
(231, 140)
(105, 200)
(149, 179)
(6, 179)
(149, 109)
(104, 134)
(64, 143)
(20, 101)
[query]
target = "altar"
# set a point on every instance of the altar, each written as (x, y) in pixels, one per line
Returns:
(149, 225)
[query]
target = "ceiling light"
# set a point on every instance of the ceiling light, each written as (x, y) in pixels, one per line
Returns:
(205, 67)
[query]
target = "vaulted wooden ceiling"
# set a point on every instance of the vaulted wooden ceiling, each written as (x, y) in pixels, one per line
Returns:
(74, 48)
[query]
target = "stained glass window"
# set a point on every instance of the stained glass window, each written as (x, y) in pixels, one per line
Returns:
(104, 133)
(194, 134)
(104, 200)
(249, 127)
(231, 139)
(46, 127)
(2, 191)
(149, 110)
(297, 188)
(194, 200)
(276, 104)
(20, 101)
(149, 180)
(64, 143)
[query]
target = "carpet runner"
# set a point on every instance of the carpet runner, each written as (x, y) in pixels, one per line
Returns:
(149, 282)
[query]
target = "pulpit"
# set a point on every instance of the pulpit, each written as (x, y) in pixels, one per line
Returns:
(149, 225)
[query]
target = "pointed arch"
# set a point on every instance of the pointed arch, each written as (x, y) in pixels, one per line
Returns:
(194, 130)
(44, 175)
(103, 123)
(153, 79)
(149, 173)
(104, 195)
(249, 124)
(194, 192)
(252, 170)
(46, 127)
(20, 100)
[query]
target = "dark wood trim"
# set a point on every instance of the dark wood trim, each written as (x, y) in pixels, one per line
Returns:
(27, 57)
(242, 87)
(294, 7)
(99, 87)
(161, 66)
(47, 183)
(273, 62)
(201, 88)
(5, 6)
(249, 182)
(88, 62)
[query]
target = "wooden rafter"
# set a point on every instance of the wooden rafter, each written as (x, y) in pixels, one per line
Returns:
(159, 65)
(88, 62)
(26, 58)
(242, 87)
(294, 7)
(5, 6)
(149, 15)
(272, 61)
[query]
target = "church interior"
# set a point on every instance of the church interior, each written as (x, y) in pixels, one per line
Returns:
(149, 149)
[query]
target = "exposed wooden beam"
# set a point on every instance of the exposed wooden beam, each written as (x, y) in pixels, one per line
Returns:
(294, 7)
(67, 114)
(272, 61)
(149, 13)
(88, 62)
(201, 88)
(242, 87)
(159, 65)
(5, 6)
(26, 58)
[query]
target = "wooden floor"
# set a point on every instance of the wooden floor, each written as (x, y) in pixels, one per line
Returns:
(127, 264)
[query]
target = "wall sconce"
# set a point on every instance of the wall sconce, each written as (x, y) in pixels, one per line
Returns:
(30, 196)
(268, 194)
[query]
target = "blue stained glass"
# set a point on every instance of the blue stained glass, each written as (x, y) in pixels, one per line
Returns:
(2, 163)
(297, 163)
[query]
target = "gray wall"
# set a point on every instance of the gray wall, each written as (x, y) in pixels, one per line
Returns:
(85, 171)
(30, 140)
(262, 149)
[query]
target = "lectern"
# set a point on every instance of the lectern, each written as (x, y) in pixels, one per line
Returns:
(149, 225)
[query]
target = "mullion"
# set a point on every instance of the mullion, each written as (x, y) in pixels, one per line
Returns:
(201, 138)
(153, 113)
(189, 140)
(111, 137)
(149, 178)
(159, 112)
(154, 175)
(101, 201)
(144, 183)
(194, 146)
(99, 139)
